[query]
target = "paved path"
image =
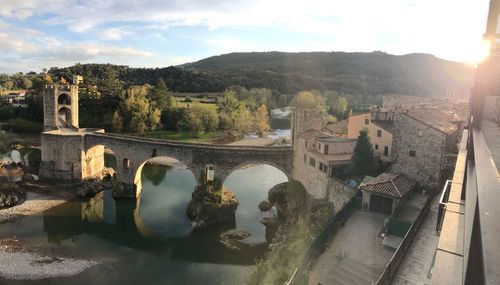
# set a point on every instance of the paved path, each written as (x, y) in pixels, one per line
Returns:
(355, 255)
(415, 268)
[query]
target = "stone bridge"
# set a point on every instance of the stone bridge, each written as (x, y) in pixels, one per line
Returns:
(87, 146)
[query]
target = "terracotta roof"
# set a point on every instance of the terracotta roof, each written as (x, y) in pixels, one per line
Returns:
(311, 134)
(388, 184)
(337, 127)
(434, 118)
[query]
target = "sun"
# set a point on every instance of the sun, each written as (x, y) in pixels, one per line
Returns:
(478, 53)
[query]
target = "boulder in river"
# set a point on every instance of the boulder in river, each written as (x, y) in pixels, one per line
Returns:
(210, 206)
(122, 190)
(11, 195)
(231, 239)
(89, 188)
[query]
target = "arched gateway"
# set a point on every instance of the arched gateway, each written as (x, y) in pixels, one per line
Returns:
(71, 153)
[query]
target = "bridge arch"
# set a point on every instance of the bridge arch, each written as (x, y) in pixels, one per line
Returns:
(224, 174)
(64, 117)
(161, 160)
(163, 210)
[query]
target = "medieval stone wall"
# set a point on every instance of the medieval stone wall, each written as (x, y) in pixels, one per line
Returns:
(429, 148)
(304, 119)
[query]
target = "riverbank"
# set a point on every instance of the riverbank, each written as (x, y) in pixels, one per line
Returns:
(21, 261)
(48, 196)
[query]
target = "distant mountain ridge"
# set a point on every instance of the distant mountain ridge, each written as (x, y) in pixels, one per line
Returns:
(354, 73)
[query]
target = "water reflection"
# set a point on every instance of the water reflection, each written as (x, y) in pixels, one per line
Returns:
(109, 231)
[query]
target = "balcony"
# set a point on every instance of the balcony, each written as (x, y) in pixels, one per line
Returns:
(468, 251)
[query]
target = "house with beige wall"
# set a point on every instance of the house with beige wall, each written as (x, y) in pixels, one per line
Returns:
(379, 132)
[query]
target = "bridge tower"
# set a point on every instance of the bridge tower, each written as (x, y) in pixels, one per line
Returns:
(60, 106)
(64, 155)
(304, 119)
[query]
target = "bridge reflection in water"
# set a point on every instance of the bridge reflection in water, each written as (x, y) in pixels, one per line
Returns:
(157, 223)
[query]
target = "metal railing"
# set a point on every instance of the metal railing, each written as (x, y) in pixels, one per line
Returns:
(391, 268)
(442, 205)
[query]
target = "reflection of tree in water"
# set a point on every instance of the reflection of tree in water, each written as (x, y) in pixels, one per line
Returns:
(155, 173)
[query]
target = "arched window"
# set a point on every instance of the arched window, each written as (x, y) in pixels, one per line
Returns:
(64, 99)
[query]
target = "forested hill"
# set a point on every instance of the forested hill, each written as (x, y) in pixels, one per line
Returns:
(353, 73)
(288, 73)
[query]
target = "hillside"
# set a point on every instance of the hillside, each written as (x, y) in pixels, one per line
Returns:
(354, 73)
(288, 73)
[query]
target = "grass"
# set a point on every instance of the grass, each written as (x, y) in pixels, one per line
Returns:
(185, 136)
(181, 104)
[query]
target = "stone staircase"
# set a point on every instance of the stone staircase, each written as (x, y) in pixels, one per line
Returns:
(350, 272)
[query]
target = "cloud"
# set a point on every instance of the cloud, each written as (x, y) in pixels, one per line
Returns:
(395, 26)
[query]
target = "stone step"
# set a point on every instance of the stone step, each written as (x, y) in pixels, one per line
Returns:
(339, 273)
(353, 270)
(333, 278)
(366, 269)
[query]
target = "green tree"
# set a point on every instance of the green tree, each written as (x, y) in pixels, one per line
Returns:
(117, 122)
(228, 103)
(161, 97)
(362, 159)
(243, 121)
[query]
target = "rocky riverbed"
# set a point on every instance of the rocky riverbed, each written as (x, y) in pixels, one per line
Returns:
(22, 262)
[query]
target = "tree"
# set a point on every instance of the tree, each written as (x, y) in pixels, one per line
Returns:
(362, 159)
(27, 84)
(262, 120)
(228, 103)
(340, 107)
(161, 97)
(306, 99)
(243, 121)
(117, 122)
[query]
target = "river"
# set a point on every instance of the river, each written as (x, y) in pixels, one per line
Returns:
(150, 241)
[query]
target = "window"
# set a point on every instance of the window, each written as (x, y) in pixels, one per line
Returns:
(305, 144)
(420, 133)
(326, 148)
(379, 133)
(367, 121)
(323, 167)
(126, 164)
(305, 158)
(312, 162)
(413, 153)
(386, 150)
(376, 146)
(319, 146)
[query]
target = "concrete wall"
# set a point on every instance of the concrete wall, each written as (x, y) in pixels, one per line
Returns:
(338, 147)
(357, 123)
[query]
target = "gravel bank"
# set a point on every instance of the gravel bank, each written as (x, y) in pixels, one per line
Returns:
(35, 203)
(21, 263)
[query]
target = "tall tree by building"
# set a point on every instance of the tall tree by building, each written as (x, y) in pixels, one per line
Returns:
(362, 159)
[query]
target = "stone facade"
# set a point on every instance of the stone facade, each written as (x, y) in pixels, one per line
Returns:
(419, 150)
(304, 119)
(60, 106)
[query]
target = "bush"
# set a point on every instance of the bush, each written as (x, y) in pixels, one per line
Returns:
(22, 126)
(6, 112)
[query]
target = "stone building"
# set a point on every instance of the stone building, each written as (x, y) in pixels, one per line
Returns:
(60, 107)
(422, 139)
(304, 119)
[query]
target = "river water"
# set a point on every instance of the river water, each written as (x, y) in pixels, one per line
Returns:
(150, 241)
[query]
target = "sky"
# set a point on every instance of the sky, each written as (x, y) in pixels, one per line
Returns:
(37, 34)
